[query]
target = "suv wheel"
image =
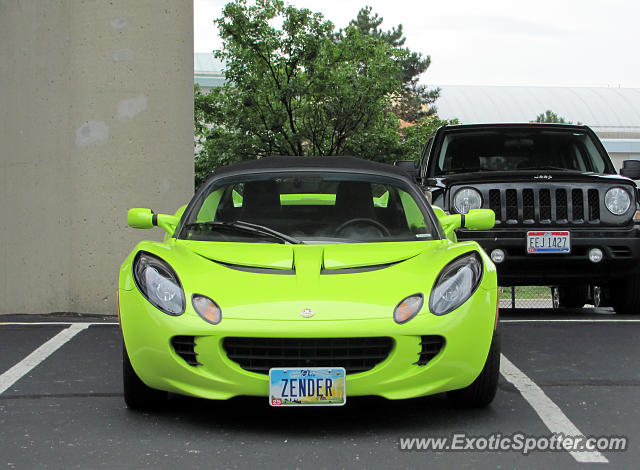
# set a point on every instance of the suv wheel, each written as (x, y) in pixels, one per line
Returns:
(570, 296)
(626, 296)
(482, 391)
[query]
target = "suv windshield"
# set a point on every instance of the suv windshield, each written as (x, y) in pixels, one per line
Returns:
(311, 207)
(518, 149)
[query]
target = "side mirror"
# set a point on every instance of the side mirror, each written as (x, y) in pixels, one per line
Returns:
(139, 217)
(409, 166)
(631, 169)
(475, 219)
(145, 218)
(480, 219)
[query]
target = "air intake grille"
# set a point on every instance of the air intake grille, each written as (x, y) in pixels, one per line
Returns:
(431, 346)
(528, 204)
(512, 204)
(184, 347)
(562, 213)
(577, 205)
(594, 205)
(261, 354)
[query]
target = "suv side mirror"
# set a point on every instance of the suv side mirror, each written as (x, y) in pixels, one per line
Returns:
(631, 169)
(409, 166)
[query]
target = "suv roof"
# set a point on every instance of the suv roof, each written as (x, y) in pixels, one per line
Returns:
(529, 125)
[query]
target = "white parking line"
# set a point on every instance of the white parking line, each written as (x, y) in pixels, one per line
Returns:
(552, 416)
(23, 367)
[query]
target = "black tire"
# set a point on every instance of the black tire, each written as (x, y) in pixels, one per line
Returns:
(626, 296)
(573, 296)
(483, 390)
(137, 395)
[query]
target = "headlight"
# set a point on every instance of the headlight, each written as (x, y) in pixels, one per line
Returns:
(408, 308)
(467, 199)
(455, 284)
(158, 283)
(617, 201)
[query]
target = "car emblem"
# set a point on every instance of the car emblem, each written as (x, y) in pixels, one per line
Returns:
(307, 313)
(542, 177)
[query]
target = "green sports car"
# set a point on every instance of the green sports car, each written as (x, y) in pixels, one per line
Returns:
(307, 280)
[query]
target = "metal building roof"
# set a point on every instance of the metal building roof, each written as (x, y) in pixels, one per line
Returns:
(610, 112)
(603, 109)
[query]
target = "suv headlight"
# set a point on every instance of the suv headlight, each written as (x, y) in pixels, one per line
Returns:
(456, 283)
(467, 199)
(159, 283)
(617, 201)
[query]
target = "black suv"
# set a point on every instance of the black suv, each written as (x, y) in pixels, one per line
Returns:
(563, 216)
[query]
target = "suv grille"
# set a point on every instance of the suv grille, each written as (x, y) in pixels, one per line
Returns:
(546, 204)
(261, 354)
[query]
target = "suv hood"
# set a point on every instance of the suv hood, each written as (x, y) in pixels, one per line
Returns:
(530, 176)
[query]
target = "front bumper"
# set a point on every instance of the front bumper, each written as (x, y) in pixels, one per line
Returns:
(467, 332)
(621, 248)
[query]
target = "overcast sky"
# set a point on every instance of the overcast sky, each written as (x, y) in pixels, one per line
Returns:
(494, 42)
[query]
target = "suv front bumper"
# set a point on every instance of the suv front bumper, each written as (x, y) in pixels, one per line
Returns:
(621, 248)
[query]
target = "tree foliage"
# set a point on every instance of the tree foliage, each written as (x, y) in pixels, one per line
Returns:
(550, 117)
(414, 101)
(296, 86)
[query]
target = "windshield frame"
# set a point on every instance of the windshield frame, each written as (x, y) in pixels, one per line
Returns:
(405, 184)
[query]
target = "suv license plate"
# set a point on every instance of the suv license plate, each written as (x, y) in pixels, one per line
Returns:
(311, 386)
(548, 242)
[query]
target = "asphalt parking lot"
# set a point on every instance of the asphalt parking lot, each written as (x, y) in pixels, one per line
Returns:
(61, 405)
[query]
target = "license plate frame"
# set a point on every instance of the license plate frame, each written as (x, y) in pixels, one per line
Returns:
(306, 380)
(548, 242)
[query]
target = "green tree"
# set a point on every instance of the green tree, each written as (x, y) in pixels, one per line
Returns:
(415, 137)
(296, 86)
(294, 89)
(414, 101)
(550, 117)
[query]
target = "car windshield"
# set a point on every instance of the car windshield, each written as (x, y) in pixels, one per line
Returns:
(310, 207)
(518, 149)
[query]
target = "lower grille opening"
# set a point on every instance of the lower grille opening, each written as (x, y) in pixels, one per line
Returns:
(184, 347)
(431, 346)
(621, 251)
(261, 354)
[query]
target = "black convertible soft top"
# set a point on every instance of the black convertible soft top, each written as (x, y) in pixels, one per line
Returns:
(311, 163)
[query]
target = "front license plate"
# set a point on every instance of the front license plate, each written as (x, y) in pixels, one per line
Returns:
(548, 242)
(313, 386)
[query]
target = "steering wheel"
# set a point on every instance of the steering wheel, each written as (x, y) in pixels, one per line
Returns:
(383, 230)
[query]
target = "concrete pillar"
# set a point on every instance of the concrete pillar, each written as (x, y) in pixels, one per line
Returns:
(96, 116)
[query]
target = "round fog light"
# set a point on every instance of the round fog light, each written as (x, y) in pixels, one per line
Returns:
(497, 256)
(595, 255)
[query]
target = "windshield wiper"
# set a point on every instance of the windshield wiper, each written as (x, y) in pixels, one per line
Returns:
(247, 227)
